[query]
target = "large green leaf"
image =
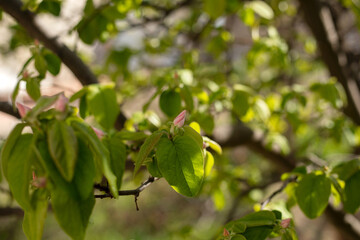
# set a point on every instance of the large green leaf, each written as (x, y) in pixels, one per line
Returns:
(101, 154)
(257, 233)
(117, 150)
(17, 170)
(256, 219)
(313, 194)
(170, 102)
(149, 144)
(189, 131)
(34, 219)
(352, 194)
(215, 8)
(181, 162)
(72, 214)
(101, 102)
(33, 88)
(85, 171)
(63, 148)
(346, 169)
(71, 211)
(53, 63)
(9, 145)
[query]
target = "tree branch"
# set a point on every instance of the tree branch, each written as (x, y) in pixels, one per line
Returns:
(8, 108)
(27, 20)
(135, 192)
(283, 186)
(335, 59)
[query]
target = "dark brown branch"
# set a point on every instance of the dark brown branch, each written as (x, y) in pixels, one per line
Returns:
(8, 108)
(135, 192)
(27, 20)
(8, 211)
(287, 181)
(335, 59)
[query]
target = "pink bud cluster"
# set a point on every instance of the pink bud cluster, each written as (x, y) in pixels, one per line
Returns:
(59, 105)
(179, 121)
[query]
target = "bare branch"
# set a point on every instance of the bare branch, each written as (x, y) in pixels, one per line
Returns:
(334, 58)
(26, 19)
(8, 108)
(268, 200)
(135, 192)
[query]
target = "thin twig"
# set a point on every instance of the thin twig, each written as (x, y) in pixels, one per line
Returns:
(287, 181)
(136, 192)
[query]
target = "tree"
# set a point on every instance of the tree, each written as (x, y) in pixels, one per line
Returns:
(289, 93)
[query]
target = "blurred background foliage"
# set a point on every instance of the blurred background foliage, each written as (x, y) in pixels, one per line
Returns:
(226, 62)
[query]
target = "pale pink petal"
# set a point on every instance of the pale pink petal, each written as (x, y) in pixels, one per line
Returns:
(285, 223)
(98, 132)
(61, 102)
(180, 119)
(226, 233)
(22, 109)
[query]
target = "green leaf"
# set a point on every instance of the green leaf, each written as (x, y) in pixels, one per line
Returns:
(9, 145)
(17, 169)
(187, 97)
(181, 162)
(91, 30)
(238, 237)
(189, 131)
(50, 6)
(63, 148)
(101, 102)
(209, 163)
(78, 94)
(352, 194)
(261, 109)
(235, 227)
(261, 8)
(133, 136)
(213, 145)
(71, 211)
(153, 168)
(170, 103)
(34, 219)
(215, 8)
(53, 63)
(33, 88)
(85, 171)
(117, 150)
(313, 194)
(40, 64)
(72, 214)
(256, 219)
(149, 144)
(257, 233)
(240, 101)
(83, 109)
(101, 154)
(15, 93)
(346, 169)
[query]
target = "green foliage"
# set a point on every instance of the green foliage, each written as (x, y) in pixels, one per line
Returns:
(263, 82)
(313, 194)
(181, 163)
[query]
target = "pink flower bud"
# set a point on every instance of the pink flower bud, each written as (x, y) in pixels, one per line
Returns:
(98, 132)
(22, 109)
(285, 223)
(226, 233)
(61, 102)
(180, 119)
(25, 74)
